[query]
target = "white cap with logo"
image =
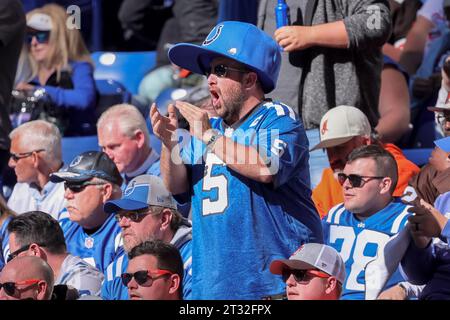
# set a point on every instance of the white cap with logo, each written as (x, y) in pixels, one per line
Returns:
(40, 21)
(313, 256)
(341, 124)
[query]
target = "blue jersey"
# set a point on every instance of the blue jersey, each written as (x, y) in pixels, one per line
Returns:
(358, 242)
(242, 225)
(113, 288)
(4, 238)
(98, 249)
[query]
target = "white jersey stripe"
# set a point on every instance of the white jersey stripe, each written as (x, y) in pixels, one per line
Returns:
(397, 222)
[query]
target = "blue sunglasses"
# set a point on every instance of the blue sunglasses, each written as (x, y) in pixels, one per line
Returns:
(41, 36)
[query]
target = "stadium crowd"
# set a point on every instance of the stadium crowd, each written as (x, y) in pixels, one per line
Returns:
(282, 174)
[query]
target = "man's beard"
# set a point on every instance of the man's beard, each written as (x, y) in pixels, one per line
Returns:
(232, 106)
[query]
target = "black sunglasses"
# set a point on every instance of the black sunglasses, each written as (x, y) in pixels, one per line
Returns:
(143, 277)
(41, 36)
(300, 275)
(356, 181)
(78, 187)
(10, 287)
(14, 254)
(17, 156)
(221, 70)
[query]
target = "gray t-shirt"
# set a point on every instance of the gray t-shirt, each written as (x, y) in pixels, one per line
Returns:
(337, 77)
(79, 274)
(288, 82)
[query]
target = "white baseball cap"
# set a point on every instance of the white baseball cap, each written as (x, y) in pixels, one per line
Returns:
(40, 22)
(313, 256)
(341, 124)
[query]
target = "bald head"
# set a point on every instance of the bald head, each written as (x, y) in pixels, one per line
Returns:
(28, 268)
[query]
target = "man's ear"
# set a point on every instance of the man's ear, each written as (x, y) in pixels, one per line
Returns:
(386, 183)
(166, 218)
(41, 290)
(37, 251)
(175, 282)
(250, 80)
(139, 136)
(331, 285)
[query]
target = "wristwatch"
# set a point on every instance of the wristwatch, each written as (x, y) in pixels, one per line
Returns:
(213, 139)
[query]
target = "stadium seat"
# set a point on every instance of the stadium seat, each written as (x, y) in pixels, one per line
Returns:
(73, 146)
(110, 92)
(127, 68)
(418, 156)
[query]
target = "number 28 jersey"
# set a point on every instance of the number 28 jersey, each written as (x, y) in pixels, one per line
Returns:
(358, 242)
(241, 225)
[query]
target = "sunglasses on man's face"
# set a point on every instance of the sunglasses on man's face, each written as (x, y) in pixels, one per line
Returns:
(356, 181)
(78, 187)
(300, 275)
(143, 277)
(11, 287)
(134, 216)
(41, 36)
(221, 70)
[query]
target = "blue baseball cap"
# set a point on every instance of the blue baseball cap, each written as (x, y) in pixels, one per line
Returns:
(443, 143)
(141, 192)
(242, 42)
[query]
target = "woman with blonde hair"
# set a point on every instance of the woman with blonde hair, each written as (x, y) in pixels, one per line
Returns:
(61, 65)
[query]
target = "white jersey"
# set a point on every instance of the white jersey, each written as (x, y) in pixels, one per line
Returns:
(26, 197)
(79, 274)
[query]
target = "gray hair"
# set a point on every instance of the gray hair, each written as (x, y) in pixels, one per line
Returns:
(116, 189)
(129, 120)
(40, 134)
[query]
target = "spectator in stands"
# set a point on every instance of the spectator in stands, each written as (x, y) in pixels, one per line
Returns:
(442, 108)
(61, 65)
(147, 212)
(37, 234)
(6, 215)
(427, 262)
(155, 272)
(123, 135)
(331, 56)
(428, 27)
(12, 31)
(403, 17)
(26, 278)
(433, 179)
(235, 193)
(91, 234)
(343, 129)
(314, 272)
(35, 154)
(360, 227)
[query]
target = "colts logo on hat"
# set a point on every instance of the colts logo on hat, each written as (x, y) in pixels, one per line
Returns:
(298, 250)
(213, 35)
(324, 127)
(129, 190)
(75, 161)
